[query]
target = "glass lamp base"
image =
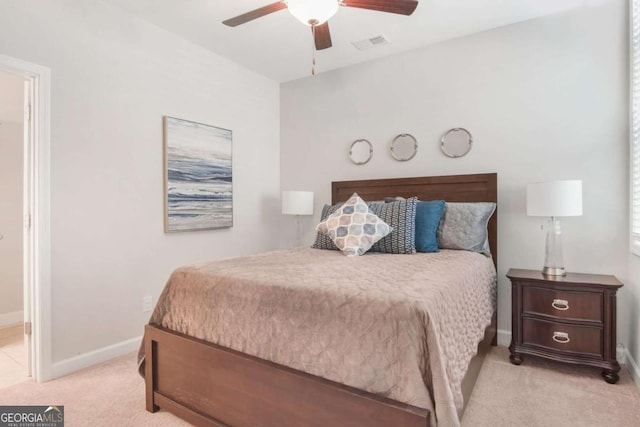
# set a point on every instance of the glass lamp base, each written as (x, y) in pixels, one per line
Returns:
(554, 271)
(553, 261)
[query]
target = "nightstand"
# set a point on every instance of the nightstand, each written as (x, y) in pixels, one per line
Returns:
(568, 318)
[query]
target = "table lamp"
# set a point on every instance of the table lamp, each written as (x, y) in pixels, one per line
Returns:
(554, 199)
(297, 203)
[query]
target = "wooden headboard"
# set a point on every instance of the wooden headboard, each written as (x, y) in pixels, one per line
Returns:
(452, 188)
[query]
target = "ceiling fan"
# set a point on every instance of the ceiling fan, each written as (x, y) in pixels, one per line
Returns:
(315, 13)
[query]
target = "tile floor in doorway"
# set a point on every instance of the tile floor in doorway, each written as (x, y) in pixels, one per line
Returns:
(13, 356)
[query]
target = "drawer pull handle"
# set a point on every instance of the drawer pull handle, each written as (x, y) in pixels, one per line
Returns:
(560, 304)
(561, 337)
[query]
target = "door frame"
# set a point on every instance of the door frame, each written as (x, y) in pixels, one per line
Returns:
(38, 235)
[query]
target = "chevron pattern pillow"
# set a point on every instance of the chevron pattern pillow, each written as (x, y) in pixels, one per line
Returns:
(401, 216)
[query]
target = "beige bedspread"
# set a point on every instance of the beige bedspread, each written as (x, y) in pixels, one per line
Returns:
(401, 326)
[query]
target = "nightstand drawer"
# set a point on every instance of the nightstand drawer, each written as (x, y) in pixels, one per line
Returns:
(573, 305)
(586, 340)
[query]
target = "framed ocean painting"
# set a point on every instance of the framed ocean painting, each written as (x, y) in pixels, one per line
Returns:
(198, 179)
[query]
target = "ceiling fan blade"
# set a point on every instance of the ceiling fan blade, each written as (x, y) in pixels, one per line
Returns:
(322, 36)
(402, 7)
(254, 14)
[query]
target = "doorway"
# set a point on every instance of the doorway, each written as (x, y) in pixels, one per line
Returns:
(14, 126)
(34, 329)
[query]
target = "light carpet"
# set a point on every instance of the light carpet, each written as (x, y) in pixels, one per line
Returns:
(547, 394)
(537, 393)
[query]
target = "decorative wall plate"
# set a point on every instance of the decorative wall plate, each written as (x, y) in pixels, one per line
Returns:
(404, 147)
(360, 151)
(456, 142)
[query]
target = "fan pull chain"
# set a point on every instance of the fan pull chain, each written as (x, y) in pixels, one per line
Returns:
(313, 50)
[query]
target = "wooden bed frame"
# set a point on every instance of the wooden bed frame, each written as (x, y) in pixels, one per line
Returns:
(210, 385)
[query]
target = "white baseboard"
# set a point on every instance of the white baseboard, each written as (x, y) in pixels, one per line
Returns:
(632, 366)
(91, 358)
(11, 319)
(81, 361)
(504, 337)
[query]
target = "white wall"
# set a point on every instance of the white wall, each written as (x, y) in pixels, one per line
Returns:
(544, 99)
(113, 78)
(11, 148)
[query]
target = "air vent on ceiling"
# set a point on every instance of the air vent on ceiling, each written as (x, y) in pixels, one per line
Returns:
(371, 42)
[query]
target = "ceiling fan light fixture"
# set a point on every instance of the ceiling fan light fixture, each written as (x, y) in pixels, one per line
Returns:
(312, 12)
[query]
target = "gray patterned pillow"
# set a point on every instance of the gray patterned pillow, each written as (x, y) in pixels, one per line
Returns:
(401, 216)
(464, 226)
(323, 241)
(353, 227)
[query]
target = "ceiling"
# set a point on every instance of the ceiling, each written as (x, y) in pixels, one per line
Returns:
(279, 47)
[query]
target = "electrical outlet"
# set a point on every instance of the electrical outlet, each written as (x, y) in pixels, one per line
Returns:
(147, 304)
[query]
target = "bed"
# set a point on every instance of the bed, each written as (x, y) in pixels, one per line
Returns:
(227, 384)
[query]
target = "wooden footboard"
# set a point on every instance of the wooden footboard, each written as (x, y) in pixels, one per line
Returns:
(209, 385)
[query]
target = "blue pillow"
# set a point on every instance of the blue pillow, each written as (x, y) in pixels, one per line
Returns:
(428, 216)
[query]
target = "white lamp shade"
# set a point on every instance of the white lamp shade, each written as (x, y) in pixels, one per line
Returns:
(312, 12)
(297, 202)
(554, 198)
